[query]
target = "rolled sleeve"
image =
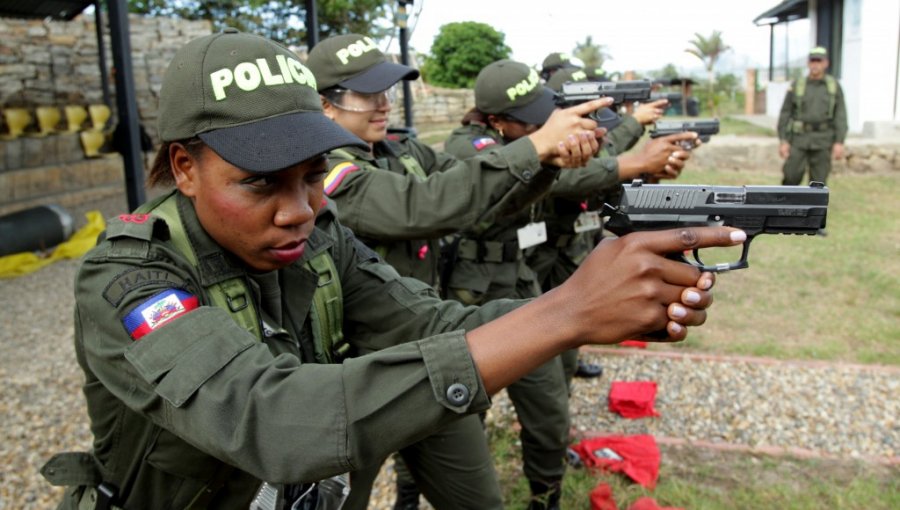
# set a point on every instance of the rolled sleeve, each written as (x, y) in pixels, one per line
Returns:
(454, 377)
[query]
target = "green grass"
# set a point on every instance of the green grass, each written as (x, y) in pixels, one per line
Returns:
(733, 126)
(810, 297)
(703, 480)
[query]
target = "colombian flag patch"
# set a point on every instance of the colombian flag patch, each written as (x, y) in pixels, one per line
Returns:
(159, 309)
(337, 175)
(484, 141)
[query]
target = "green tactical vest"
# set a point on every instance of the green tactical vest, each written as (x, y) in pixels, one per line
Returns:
(800, 90)
(232, 295)
(410, 164)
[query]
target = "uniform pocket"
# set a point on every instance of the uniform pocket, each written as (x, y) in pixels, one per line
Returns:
(182, 355)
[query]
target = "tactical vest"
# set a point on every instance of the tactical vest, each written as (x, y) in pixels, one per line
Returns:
(232, 295)
(410, 164)
(800, 90)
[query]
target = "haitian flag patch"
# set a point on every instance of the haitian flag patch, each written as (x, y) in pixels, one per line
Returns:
(484, 141)
(158, 310)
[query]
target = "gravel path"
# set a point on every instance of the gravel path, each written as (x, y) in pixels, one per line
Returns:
(839, 410)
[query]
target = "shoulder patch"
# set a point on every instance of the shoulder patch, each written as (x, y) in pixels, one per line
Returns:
(337, 175)
(157, 310)
(137, 278)
(483, 142)
(137, 226)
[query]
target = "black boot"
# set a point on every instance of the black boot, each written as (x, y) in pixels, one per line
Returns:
(544, 496)
(407, 497)
(587, 370)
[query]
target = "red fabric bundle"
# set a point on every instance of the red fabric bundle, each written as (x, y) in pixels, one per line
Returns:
(638, 344)
(648, 503)
(636, 456)
(602, 498)
(633, 399)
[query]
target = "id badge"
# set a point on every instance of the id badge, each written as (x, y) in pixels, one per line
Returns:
(532, 234)
(587, 221)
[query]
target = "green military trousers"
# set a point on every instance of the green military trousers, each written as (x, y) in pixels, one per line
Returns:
(817, 160)
(452, 467)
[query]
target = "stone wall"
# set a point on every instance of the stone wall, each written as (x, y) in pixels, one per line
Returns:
(56, 63)
(731, 152)
(434, 106)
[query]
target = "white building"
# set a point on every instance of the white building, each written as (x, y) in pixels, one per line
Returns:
(863, 41)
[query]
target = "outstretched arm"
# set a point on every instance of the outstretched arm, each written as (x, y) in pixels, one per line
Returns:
(626, 288)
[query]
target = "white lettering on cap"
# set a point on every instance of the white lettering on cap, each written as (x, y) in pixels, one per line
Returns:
(249, 76)
(523, 87)
(364, 45)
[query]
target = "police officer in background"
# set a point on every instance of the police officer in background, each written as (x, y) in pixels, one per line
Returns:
(557, 61)
(400, 197)
(813, 123)
(216, 373)
(493, 262)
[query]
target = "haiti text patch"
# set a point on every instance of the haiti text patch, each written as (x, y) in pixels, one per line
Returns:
(158, 310)
(484, 141)
(337, 175)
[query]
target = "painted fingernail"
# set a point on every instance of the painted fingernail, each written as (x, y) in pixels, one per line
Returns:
(677, 311)
(738, 236)
(691, 297)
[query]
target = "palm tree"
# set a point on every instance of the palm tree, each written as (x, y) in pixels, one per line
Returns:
(708, 50)
(592, 55)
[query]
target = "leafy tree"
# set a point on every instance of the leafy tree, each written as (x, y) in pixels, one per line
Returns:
(460, 50)
(667, 72)
(281, 20)
(708, 50)
(593, 55)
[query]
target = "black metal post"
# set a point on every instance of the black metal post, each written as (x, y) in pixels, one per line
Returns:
(312, 25)
(404, 59)
(101, 53)
(125, 102)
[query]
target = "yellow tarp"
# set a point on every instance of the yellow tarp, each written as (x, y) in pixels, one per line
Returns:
(81, 242)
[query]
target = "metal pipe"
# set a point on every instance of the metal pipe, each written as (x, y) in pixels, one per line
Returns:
(125, 102)
(404, 59)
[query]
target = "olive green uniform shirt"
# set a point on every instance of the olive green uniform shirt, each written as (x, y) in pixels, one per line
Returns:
(199, 401)
(820, 129)
(404, 216)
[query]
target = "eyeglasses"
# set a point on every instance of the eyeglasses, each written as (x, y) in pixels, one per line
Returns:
(352, 101)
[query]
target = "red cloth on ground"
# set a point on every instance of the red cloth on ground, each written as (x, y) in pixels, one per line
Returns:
(633, 399)
(602, 498)
(638, 344)
(648, 503)
(636, 456)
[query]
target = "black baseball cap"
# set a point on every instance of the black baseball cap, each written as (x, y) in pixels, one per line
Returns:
(512, 88)
(250, 100)
(354, 62)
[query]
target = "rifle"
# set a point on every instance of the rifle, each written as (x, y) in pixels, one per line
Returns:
(577, 92)
(705, 128)
(753, 209)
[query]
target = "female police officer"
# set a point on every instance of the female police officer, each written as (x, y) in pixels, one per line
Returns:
(400, 197)
(491, 263)
(201, 342)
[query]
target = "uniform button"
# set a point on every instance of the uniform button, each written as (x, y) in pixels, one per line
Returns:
(457, 394)
(527, 175)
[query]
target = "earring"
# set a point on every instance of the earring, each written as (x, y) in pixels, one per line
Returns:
(501, 133)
